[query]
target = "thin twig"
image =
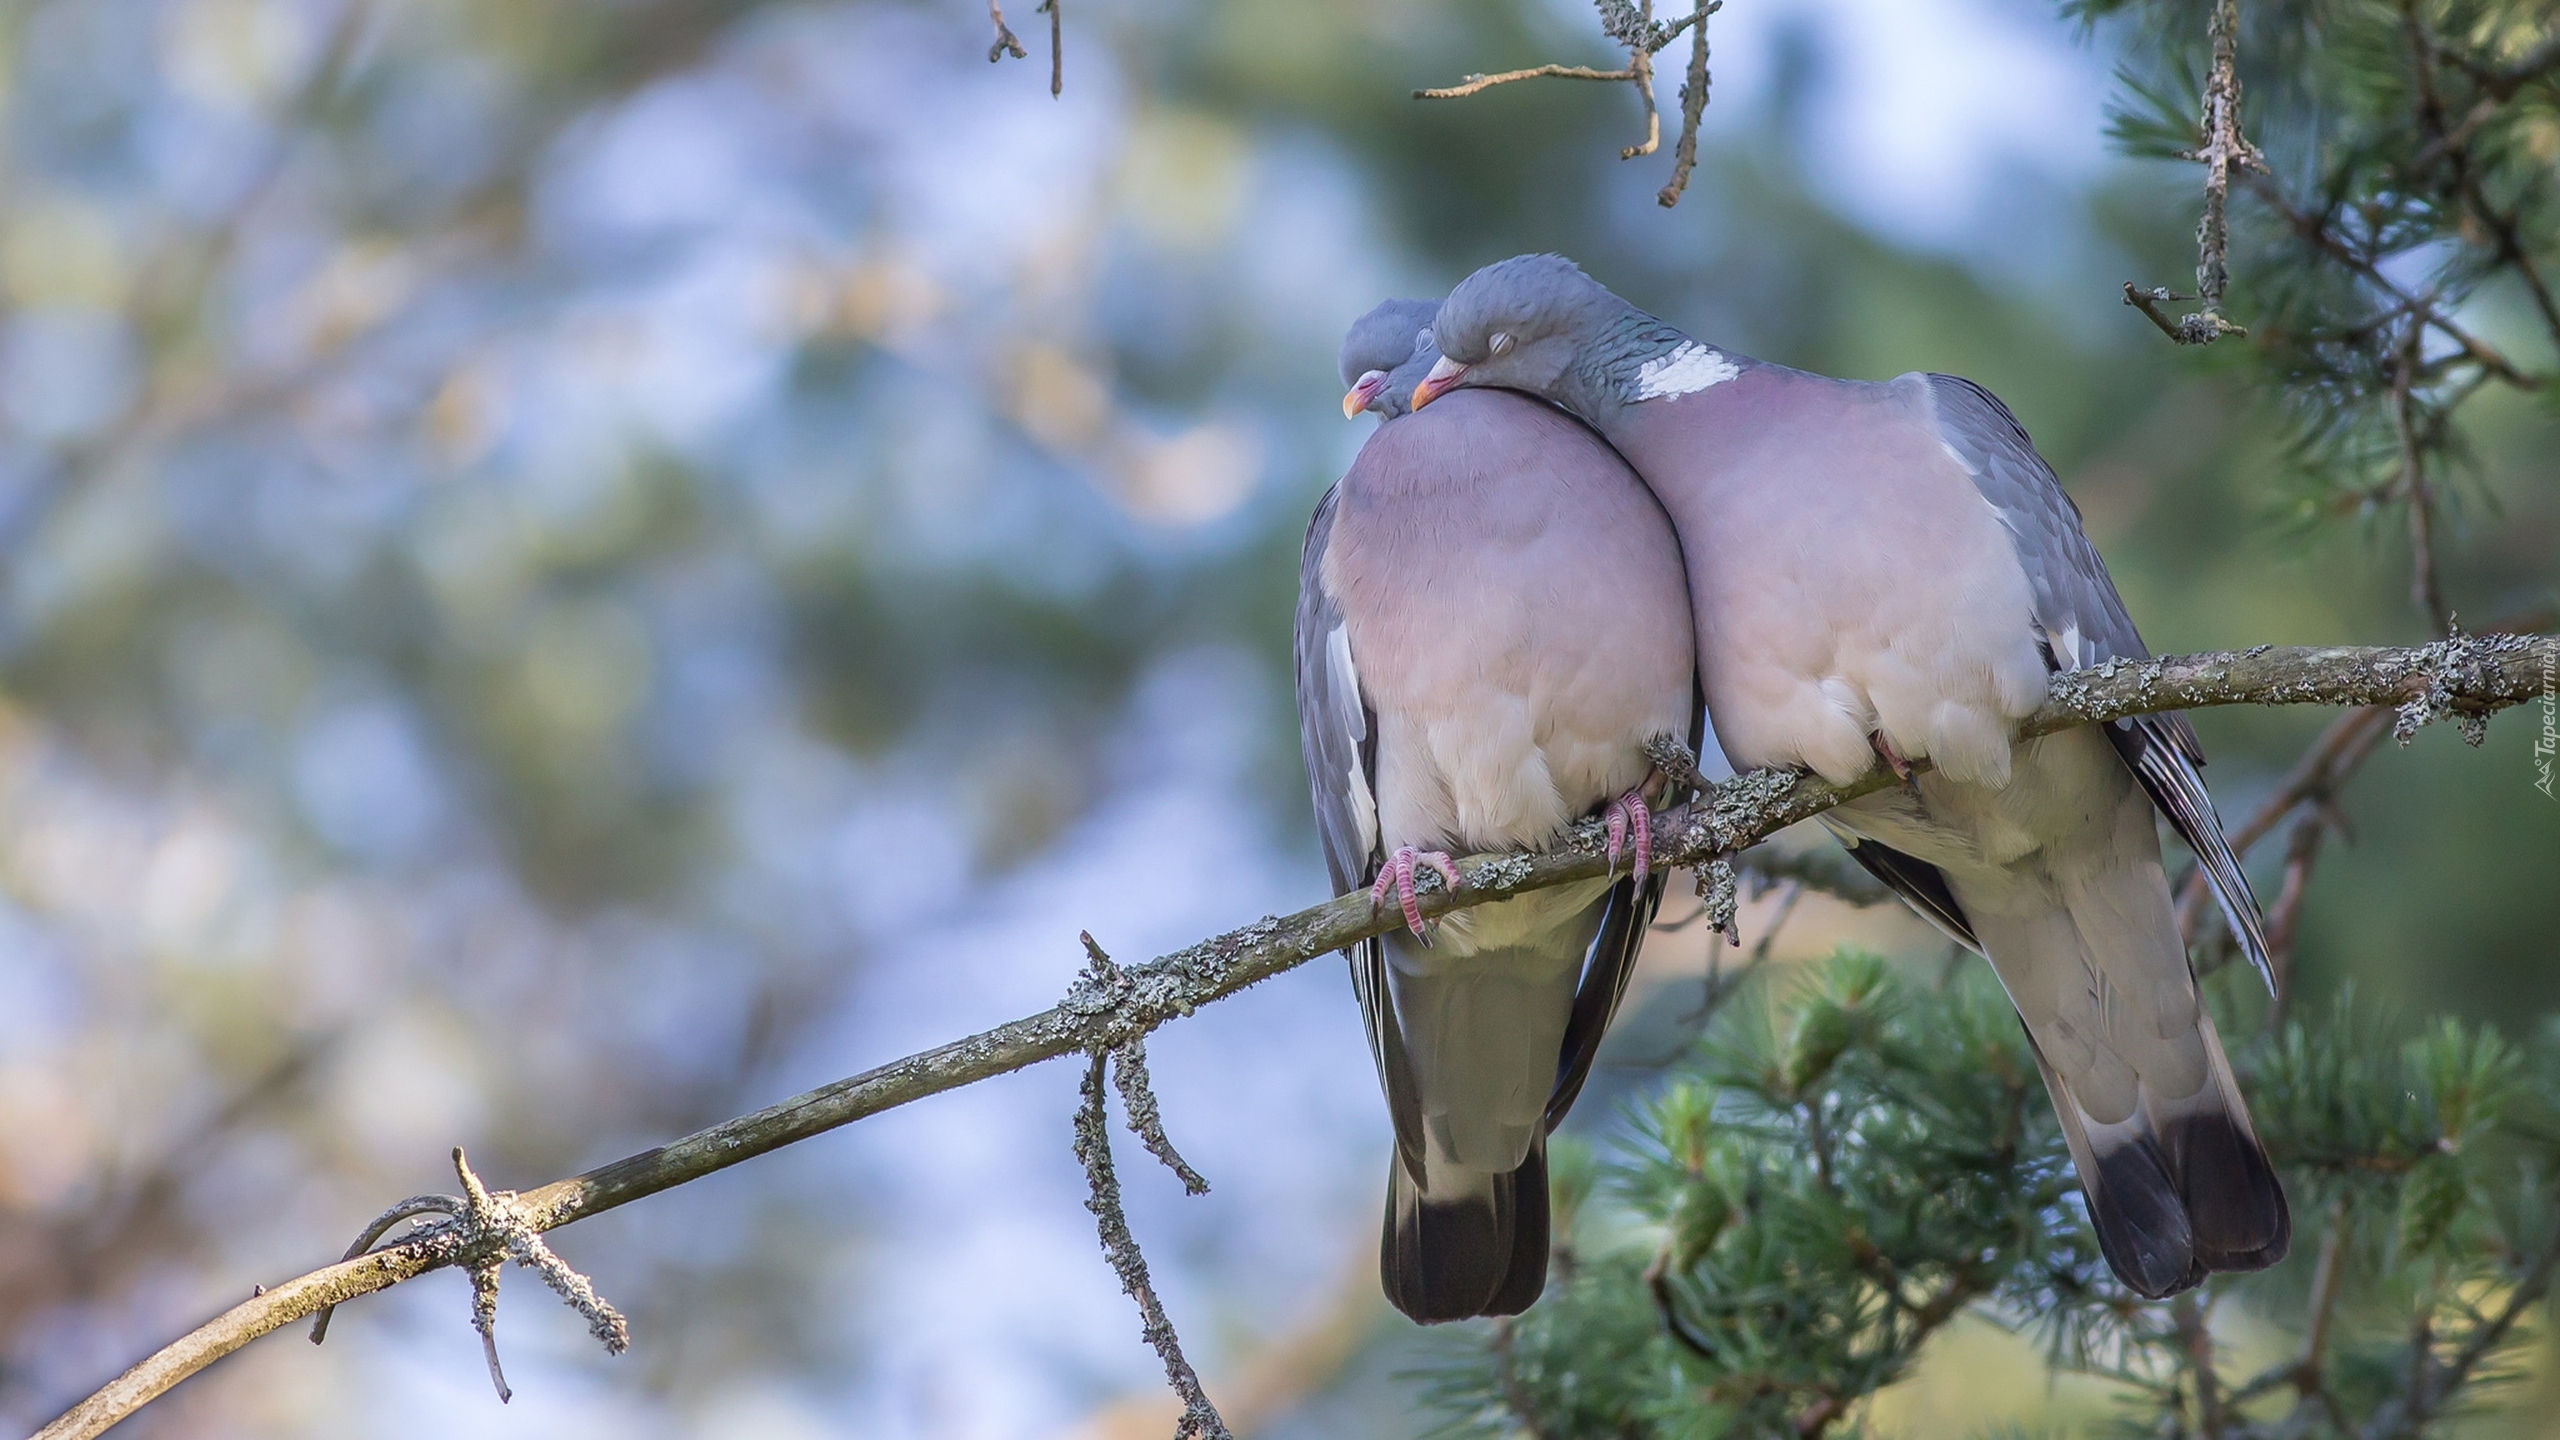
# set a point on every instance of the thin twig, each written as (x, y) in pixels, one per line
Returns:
(1777, 922)
(2327, 1278)
(410, 1208)
(2425, 590)
(1693, 106)
(2197, 329)
(1515, 1399)
(2197, 1340)
(2300, 853)
(1093, 1147)
(1005, 43)
(1477, 84)
(1633, 26)
(2471, 675)
(1057, 46)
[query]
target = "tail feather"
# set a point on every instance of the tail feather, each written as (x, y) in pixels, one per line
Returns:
(2176, 1191)
(2133, 1200)
(2233, 1199)
(1479, 1248)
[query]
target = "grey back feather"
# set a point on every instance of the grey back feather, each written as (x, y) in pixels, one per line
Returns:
(2081, 621)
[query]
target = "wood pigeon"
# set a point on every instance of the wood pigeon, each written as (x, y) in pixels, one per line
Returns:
(1492, 621)
(1888, 570)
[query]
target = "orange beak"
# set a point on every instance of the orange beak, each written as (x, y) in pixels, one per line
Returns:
(1442, 379)
(1357, 398)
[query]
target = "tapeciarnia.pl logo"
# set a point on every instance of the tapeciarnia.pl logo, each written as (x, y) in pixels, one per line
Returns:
(2547, 744)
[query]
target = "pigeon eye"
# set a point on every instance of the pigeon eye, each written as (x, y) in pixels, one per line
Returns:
(1501, 342)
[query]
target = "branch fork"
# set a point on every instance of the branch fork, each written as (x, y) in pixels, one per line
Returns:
(1630, 23)
(1127, 1062)
(485, 1228)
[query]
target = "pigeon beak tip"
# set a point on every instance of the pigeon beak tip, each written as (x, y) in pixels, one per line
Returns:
(1362, 391)
(1443, 378)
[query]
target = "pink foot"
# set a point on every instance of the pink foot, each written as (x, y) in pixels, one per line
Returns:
(1628, 812)
(1397, 874)
(1885, 751)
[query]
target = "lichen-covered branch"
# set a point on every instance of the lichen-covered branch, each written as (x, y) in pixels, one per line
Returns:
(2223, 149)
(2464, 678)
(1200, 1419)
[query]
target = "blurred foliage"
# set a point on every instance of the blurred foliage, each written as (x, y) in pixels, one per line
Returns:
(2399, 252)
(1846, 1171)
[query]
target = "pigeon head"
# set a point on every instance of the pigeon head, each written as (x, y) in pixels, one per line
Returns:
(1390, 338)
(1519, 323)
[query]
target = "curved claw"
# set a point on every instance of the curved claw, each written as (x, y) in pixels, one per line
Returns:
(1893, 758)
(1629, 812)
(1397, 874)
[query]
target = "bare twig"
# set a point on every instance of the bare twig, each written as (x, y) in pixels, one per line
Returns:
(2326, 1279)
(2425, 590)
(476, 1213)
(1693, 106)
(484, 1318)
(1721, 894)
(2197, 1340)
(1631, 25)
(1005, 43)
(1057, 47)
(1640, 75)
(2300, 853)
(1093, 1147)
(1477, 84)
(1826, 868)
(2465, 675)
(1777, 922)
(1515, 1399)
(410, 1208)
(2199, 329)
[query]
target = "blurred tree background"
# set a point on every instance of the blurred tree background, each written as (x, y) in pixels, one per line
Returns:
(572, 569)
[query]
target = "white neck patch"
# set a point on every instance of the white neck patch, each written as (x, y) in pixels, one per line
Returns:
(1684, 371)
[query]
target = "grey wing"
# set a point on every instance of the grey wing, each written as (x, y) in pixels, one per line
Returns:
(2081, 621)
(1335, 730)
(1611, 962)
(1339, 738)
(1921, 885)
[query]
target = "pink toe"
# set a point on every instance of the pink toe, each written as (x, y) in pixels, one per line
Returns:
(1439, 860)
(1643, 818)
